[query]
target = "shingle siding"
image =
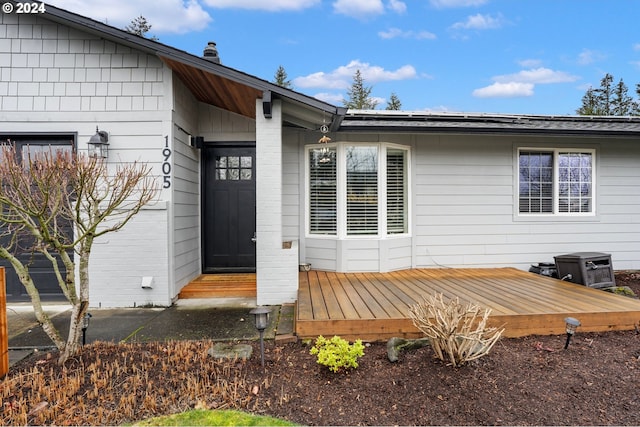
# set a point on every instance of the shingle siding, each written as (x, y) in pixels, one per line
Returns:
(59, 80)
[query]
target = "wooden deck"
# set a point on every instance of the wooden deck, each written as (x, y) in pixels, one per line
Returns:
(374, 306)
(220, 286)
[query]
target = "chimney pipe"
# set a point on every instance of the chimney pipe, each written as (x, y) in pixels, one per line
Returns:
(211, 53)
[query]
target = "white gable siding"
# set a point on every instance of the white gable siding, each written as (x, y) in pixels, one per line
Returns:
(57, 79)
(219, 125)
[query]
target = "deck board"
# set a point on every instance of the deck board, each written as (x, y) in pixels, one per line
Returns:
(375, 306)
(220, 286)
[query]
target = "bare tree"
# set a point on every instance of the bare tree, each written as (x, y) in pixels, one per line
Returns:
(44, 194)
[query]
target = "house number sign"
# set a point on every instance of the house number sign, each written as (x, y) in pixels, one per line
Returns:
(166, 164)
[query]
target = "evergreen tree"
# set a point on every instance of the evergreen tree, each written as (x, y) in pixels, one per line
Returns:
(360, 95)
(280, 78)
(605, 94)
(140, 27)
(589, 104)
(622, 103)
(609, 100)
(394, 102)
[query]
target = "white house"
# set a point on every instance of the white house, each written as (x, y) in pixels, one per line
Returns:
(260, 178)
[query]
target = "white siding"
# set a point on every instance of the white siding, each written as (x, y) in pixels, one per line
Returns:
(465, 198)
(185, 189)
(220, 125)
(464, 208)
(292, 163)
(57, 79)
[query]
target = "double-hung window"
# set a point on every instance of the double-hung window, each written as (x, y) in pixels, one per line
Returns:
(556, 182)
(358, 190)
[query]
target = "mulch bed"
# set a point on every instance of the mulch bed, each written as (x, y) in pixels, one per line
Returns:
(524, 381)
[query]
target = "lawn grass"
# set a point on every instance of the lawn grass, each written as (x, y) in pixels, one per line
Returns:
(202, 417)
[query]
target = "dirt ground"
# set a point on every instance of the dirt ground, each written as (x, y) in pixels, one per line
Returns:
(524, 381)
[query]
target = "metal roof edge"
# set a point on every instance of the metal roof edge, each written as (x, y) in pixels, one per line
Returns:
(392, 115)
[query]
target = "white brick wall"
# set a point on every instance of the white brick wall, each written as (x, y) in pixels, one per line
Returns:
(277, 268)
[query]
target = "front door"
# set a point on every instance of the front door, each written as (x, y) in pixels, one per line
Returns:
(229, 208)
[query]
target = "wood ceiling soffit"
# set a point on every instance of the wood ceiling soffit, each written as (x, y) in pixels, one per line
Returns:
(218, 91)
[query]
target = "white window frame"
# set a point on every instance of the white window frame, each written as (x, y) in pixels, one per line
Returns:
(556, 186)
(341, 198)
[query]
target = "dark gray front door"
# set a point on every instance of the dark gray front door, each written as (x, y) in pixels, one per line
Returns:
(40, 268)
(229, 208)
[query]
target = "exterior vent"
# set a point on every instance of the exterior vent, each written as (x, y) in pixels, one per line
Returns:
(211, 53)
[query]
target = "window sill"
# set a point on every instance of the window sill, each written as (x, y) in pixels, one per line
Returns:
(549, 218)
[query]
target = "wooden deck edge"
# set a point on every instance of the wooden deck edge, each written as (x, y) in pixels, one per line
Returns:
(515, 326)
(217, 294)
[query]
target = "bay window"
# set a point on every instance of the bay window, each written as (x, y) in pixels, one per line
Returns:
(357, 190)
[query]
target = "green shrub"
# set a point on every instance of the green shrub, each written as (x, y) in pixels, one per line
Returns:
(337, 353)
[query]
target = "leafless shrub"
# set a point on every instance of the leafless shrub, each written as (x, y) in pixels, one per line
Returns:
(457, 332)
(112, 384)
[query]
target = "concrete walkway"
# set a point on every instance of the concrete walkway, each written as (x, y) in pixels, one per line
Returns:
(221, 319)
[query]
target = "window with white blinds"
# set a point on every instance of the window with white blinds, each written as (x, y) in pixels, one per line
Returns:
(322, 191)
(362, 190)
(396, 191)
(358, 190)
(556, 182)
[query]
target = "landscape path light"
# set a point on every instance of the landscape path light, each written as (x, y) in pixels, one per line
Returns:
(85, 326)
(571, 324)
(261, 318)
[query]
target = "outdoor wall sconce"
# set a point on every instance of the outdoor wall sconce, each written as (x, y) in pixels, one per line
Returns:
(261, 319)
(85, 326)
(571, 324)
(99, 144)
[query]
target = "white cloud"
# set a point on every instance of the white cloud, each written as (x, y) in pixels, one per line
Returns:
(441, 4)
(530, 63)
(358, 8)
(480, 22)
(331, 98)
(397, 6)
(587, 57)
(268, 5)
(635, 64)
(394, 33)
(505, 90)
(165, 16)
(636, 46)
(537, 75)
(342, 77)
(522, 83)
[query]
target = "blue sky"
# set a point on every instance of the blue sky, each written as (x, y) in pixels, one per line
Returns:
(489, 56)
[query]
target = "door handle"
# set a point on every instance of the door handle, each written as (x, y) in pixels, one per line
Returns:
(254, 238)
